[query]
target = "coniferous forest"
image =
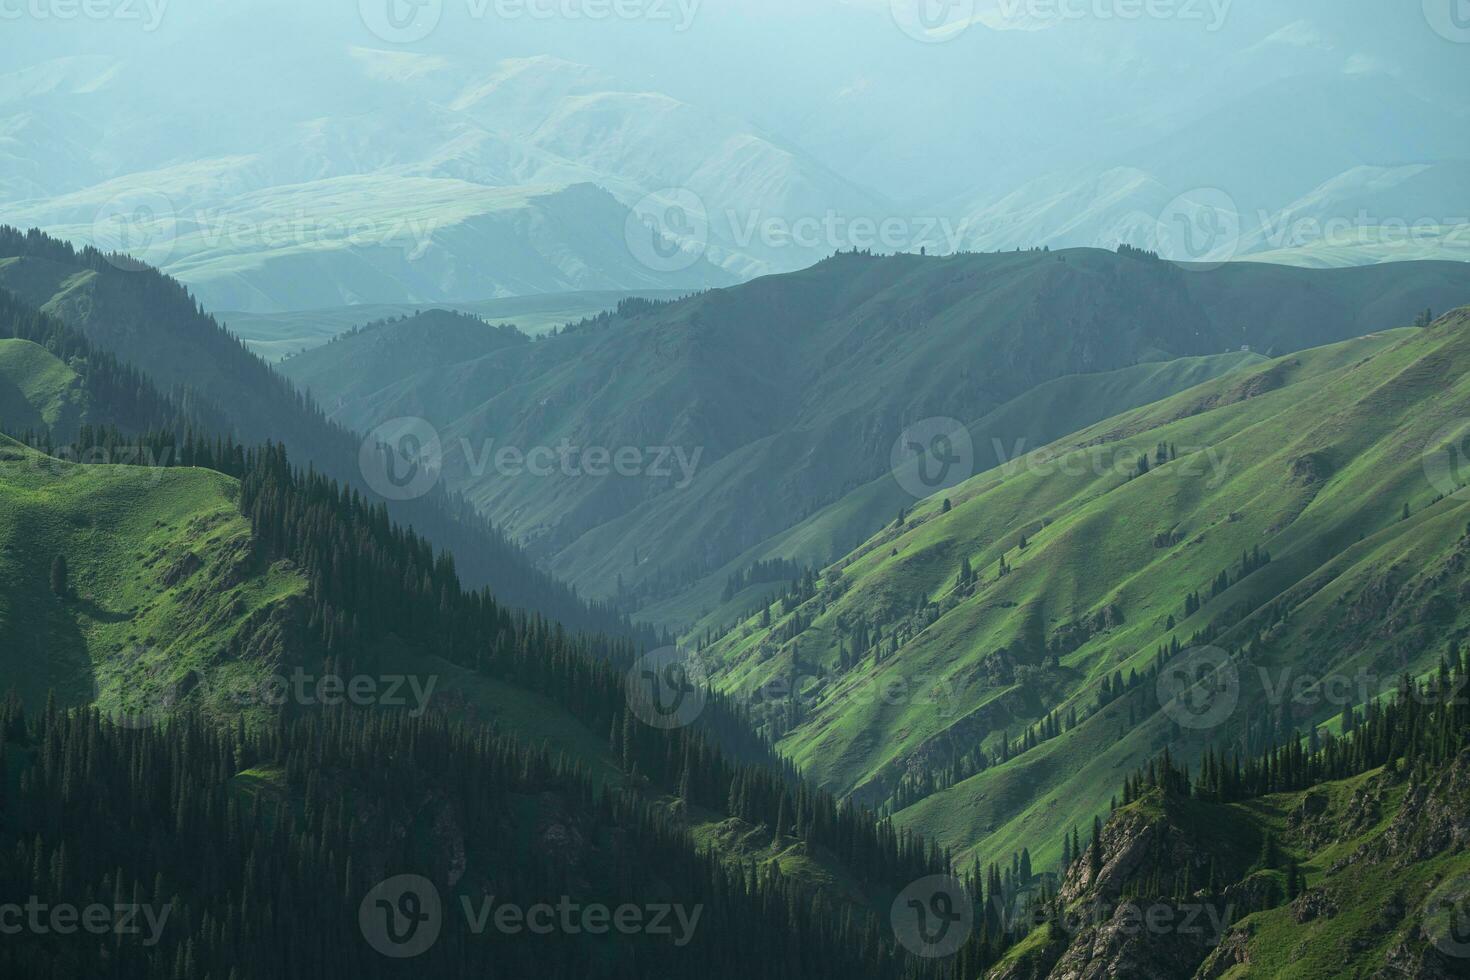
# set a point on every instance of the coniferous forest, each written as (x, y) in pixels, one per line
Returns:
(676, 489)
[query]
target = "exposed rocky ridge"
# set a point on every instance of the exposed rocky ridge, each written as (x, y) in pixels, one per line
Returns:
(1112, 928)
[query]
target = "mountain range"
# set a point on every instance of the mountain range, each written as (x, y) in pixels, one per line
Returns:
(959, 689)
(789, 394)
(557, 175)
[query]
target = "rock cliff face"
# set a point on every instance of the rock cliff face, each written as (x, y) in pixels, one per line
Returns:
(1158, 940)
(1387, 887)
(1136, 843)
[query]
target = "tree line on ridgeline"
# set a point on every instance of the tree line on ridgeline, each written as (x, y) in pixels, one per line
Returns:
(136, 295)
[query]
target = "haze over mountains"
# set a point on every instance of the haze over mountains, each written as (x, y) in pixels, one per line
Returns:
(365, 171)
(778, 402)
(886, 489)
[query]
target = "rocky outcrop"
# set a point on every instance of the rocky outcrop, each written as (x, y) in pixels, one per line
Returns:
(1136, 842)
(1434, 817)
(1419, 961)
(1232, 951)
(1143, 941)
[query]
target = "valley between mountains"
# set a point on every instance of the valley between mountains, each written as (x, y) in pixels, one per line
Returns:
(1094, 667)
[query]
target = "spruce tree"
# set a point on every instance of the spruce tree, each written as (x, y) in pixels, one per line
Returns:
(60, 585)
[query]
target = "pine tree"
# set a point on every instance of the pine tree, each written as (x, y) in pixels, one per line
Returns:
(1094, 855)
(59, 577)
(1270, 855)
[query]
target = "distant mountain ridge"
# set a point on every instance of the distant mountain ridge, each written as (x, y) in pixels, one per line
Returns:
(529, 174)
(1303, 518)
(789, 392)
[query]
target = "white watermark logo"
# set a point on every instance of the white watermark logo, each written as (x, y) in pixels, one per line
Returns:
(1199, 688)
(401, 21)
(1446, 458)
(668, 231)
(666, 688)
(136, 226)
(1446, 921)
(571, 918)
(933, 917)
(810, 690)
(145, 226)
(1132, 918)
(933, 21)
(1289, 230)
(1449, 18)
(401, 917)
(405, 458)
(1037, 14)
(931, 455)
(149, 699)
(407, 21)
(410, 691)
(835, 231)
(402, 459)
(1201, 227)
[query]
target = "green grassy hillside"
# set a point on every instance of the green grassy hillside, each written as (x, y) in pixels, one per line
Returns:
(37, 391)
(1380, 867)
(151, 322)
(1312, 457)
(166, 595)
(168, 605)
(1375, 875)
(788, 393)
(1021, 425)
(170, 611)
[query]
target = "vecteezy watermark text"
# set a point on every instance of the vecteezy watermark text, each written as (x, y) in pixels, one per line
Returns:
(1113, 459)
(143, 225)
(148, 14)
(811, 688)
(407, 21)
(1203, 687)
(150, 699)
(403, 917)
(1133, 918)
(63, 919)
(571, 918)
(404, 459)
(672, 229)
(570, 460)
(936, 21)
(302, 689)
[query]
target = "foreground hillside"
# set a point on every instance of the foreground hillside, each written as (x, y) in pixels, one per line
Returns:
(1293, 515)
(164, 590)
(255, 658)
(1365, 876)
(750, 409)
